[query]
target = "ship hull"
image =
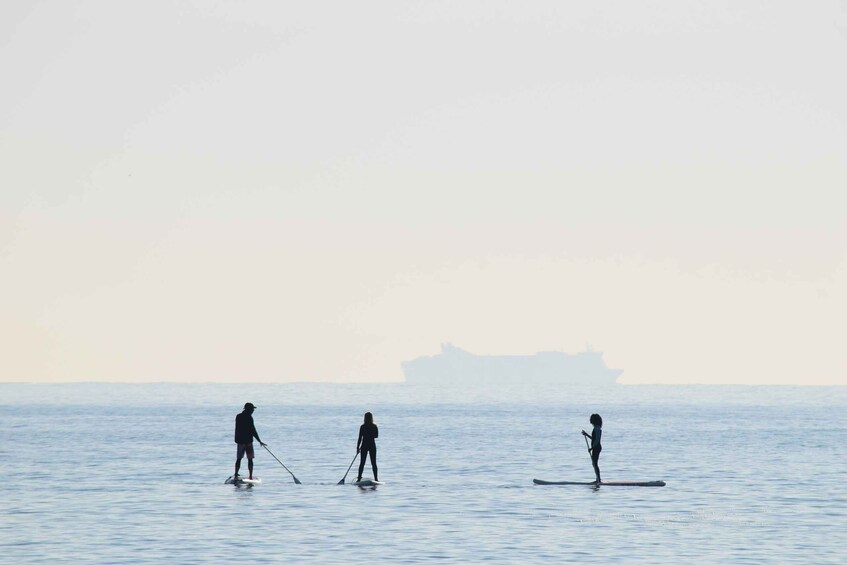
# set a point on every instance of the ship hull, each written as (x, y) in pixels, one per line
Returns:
(456, 366)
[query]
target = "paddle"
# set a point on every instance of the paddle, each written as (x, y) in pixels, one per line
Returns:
(283, 465)
(341, 482)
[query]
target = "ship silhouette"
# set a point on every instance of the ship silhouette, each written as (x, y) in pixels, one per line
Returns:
(457, 366)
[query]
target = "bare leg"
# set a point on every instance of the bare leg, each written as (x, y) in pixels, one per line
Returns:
(595, 461)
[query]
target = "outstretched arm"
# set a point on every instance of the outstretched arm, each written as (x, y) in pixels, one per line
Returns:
(359, 441)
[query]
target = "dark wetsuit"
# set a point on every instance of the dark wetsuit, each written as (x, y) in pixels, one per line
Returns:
(245, 431)
(596, 448)
(367, 438)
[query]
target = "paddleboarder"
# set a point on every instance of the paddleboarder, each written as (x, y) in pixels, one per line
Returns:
(245, 431)
(595, 448)
(366, 444)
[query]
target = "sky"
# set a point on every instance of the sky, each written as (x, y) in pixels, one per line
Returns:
(318, 191)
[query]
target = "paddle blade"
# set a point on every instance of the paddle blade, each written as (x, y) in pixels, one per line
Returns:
(296, 481)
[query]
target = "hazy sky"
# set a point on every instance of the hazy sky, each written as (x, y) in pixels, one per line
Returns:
(255, 191)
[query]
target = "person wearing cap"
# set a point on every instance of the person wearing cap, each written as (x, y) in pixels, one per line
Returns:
(245, 431)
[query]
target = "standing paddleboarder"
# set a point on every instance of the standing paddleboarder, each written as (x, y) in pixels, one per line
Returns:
(245, 431)
(366, 444)
(595, 448)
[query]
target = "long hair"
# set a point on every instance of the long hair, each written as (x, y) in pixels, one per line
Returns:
(596, 420)
(369, 418)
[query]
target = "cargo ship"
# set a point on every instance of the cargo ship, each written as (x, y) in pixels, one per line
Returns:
(457, 366)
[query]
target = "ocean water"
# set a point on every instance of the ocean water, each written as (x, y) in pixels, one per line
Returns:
(119, 473)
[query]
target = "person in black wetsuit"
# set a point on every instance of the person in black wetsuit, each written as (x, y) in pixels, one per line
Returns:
(595, 448)
(366, 444)
(245, 431)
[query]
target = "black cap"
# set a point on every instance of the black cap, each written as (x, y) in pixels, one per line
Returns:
(249, 405)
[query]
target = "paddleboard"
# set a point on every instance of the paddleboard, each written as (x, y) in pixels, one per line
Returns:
(604, 484)
(243, 481)
(367, 483)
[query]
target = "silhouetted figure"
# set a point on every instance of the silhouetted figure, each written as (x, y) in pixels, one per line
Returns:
(596, 448)
(366, 444)
(245, 431)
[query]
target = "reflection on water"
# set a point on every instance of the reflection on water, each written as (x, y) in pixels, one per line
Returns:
(134, 474)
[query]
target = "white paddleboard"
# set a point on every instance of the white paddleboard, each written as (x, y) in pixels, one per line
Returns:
(243, 481)
(367, 483)
(604, 484)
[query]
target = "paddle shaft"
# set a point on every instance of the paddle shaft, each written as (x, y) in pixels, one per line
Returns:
(296, 481)
(590, 455)
(341, 482)
(587, 445)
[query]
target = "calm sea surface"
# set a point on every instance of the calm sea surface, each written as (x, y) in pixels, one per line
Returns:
(98, 473)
